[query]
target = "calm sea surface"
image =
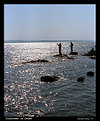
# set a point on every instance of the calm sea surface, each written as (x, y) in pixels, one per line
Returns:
(26, 95)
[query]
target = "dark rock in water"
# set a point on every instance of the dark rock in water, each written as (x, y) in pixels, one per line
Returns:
(92, 57)
(70, 58)
(73, 53)
(24, 62)
(92, 52)
(49, 78)
(34, 61)
(63, 56)
(39, 60)
(80, 79)
(90, 73)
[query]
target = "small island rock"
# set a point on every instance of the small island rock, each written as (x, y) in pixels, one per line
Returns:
(80, 79)
(49, 78)
(90, 73)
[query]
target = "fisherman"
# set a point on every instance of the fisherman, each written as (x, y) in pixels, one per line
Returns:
(59, 48)
(71, 45)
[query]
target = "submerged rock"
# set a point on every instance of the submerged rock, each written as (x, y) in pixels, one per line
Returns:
(34, 61)
(63, 56)
(80, 79)
(49, 78)
(90, 73)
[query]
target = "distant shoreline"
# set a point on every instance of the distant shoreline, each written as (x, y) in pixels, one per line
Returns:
(34, 41)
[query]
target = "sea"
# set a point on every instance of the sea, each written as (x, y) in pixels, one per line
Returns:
(26, 96)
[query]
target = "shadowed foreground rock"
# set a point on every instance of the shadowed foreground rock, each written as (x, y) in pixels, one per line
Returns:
(80, 79)
(90, 73)
(49, 78)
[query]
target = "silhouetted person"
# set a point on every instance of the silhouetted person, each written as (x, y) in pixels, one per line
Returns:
(92, 50)
(59, 48)
(71, 45)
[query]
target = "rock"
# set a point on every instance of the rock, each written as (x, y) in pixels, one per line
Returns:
(24, 62)
(92, 57)
(80, 79)
(39, 60)
(34, 61)
(63, 56)
(85, 54)
(90, 73)
(70, 58)
(49, 78)
(92, 52)
(73, 53)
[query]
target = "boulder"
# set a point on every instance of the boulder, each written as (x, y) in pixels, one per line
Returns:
(49, 78)
(80, 79)
(90, 73)
(73, 53)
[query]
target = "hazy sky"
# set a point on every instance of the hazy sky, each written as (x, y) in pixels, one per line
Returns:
(49, 22)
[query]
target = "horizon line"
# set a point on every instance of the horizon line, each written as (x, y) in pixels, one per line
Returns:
(47, 40)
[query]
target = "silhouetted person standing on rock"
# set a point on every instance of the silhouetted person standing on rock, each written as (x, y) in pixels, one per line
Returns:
(59, 48)
(71, 45)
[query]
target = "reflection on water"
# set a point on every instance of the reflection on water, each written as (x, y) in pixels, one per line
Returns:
(26, 95)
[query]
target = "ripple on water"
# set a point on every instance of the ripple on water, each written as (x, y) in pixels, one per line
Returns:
(26, 95)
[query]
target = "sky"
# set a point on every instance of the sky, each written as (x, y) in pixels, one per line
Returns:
(50, 22)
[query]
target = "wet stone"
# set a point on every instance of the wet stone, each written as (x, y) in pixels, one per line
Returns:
(49, 78)
(90, 73)
(80, 79)
(73, 53)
